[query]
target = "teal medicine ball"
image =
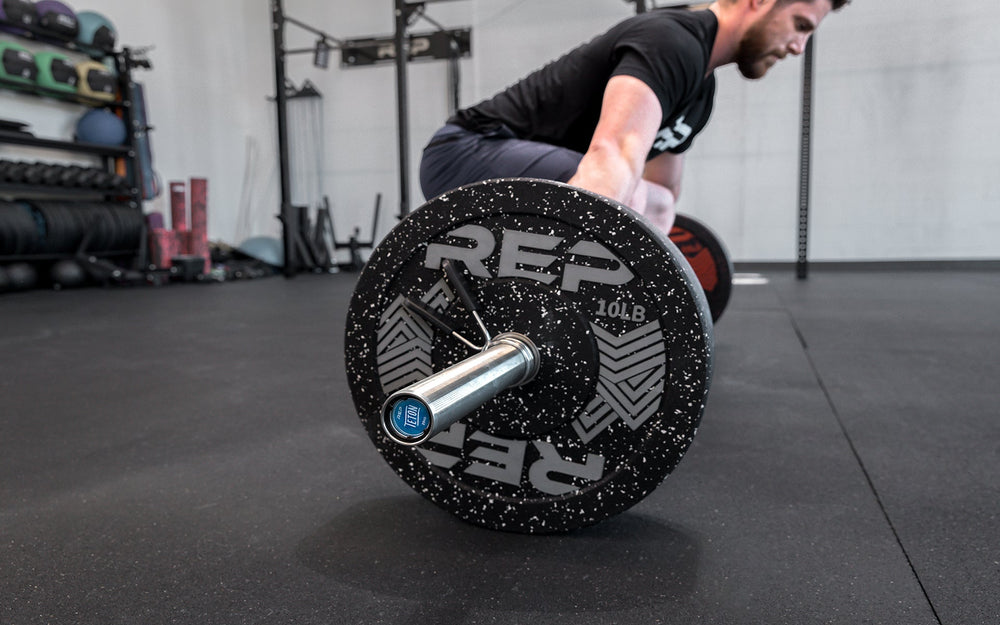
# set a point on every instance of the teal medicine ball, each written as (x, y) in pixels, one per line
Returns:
(97, 33)
(101, 126)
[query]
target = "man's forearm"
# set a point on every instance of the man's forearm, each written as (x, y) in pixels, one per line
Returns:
(605, 171)
(655, 202)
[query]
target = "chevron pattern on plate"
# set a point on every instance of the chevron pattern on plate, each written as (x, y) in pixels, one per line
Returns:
(404, 341)
(631, 381)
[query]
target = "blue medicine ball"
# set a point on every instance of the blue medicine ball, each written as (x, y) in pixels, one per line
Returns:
(101, 126)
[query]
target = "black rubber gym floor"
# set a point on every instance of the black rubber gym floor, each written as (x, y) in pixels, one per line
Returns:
(189, 454)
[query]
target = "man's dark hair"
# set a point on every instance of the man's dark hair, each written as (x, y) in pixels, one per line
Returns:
(837, 4)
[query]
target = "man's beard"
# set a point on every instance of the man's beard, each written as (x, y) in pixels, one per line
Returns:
(754, 57)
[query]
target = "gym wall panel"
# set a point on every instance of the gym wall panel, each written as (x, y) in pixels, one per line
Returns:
(906, 136)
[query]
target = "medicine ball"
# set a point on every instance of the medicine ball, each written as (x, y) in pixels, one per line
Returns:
(101, 126)
(95, 81)
(56, 71)
(66, 274)
(270, 250)
(97, 32)
(17, 12)
(57, 19)
(16, 63)
(22, 276)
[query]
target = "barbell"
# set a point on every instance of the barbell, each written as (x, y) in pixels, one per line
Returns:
(529, 356)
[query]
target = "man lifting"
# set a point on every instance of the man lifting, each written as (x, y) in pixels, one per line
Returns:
(615, 115)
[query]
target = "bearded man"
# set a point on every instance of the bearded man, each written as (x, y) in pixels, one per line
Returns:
(615, 115)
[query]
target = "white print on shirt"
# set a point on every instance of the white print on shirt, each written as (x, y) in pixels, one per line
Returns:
(669, 138)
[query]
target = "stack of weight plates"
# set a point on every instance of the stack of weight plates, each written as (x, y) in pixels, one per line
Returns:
(21, 230)
(53, 227)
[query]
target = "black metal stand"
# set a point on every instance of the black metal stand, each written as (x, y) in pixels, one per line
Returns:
(451, 44)
(805, 162)
(291, 242)
(404, 11)
(325, 238)
(454, 77)
(79, 184)
(291, 261)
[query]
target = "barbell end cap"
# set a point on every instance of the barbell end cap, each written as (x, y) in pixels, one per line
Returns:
(406, 419)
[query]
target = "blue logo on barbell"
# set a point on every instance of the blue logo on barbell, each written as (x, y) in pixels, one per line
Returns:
(410, 418)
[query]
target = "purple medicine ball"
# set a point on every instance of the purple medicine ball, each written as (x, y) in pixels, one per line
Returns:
(55, 18)
(17, 12)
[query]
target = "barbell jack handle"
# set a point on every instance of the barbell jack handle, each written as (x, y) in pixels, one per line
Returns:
(420, 411)
(457, 282)
(435, 318)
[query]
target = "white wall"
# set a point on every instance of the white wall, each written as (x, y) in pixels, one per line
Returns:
(909, 139)
(905, 144)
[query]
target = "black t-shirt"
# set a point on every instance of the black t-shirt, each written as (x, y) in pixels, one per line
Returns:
(560, 103)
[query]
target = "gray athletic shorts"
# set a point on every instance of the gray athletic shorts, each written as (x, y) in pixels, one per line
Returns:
(456, 156)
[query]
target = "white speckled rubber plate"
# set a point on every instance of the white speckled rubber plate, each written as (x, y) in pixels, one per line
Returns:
(621, 325)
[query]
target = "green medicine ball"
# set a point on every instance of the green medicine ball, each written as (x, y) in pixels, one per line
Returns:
(56, 71)
(16, 63)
